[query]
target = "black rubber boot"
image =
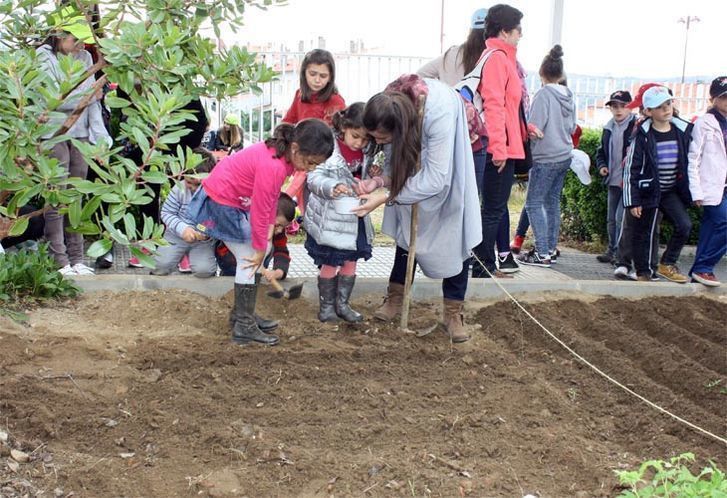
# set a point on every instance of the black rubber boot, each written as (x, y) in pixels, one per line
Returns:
(343, 309)
(262, 323)
(327, 297)
(244, 328)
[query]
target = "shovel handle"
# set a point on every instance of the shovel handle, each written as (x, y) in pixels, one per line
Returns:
(277, 285)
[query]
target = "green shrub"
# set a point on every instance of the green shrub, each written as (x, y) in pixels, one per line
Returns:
(584, 207)
(657, 478)
(32, 275)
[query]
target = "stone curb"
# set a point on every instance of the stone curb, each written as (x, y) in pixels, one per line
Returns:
(423, 289)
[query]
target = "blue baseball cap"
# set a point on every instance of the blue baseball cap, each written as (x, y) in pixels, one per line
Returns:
(655, 96)
(478, 19)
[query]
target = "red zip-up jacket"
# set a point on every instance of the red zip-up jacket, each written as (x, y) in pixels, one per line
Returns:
(501, 92)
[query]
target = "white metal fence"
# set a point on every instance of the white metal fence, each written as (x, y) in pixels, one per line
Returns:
(358, 77)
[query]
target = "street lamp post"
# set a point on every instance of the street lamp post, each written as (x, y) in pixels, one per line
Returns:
(441, 29)
(687, 21)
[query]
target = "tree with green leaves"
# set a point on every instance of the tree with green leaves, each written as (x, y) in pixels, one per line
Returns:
(155, 52)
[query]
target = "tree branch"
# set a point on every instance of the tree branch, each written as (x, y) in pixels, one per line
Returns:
(82, 105)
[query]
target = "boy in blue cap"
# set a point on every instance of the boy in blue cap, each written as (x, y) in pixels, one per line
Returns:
(655, 178)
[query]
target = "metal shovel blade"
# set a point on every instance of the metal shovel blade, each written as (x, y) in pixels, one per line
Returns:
(294, 292)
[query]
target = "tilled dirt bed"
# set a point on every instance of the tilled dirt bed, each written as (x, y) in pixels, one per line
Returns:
(142, 394)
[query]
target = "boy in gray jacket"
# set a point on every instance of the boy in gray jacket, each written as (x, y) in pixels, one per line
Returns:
(609, 162)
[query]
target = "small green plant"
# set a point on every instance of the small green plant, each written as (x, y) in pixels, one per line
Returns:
(711, 384)
(32, 275)
(658, 478)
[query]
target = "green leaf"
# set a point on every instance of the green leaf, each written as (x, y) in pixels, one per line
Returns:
(116, 102)
(144, 258)
(74, 213)
(19, 227)
(99, 248)
(90, 207)
(156, 177)
(130, 226)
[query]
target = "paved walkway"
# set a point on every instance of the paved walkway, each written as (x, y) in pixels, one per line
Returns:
(572, 265)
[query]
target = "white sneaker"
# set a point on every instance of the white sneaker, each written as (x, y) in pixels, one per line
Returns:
(621, 273)
(67, 271)
(82, 269)
(632, 276)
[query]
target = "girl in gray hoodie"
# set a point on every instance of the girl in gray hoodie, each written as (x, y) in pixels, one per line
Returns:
(72, 30)
(552, 112)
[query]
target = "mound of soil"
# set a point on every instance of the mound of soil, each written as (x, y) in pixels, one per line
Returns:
(142, 394)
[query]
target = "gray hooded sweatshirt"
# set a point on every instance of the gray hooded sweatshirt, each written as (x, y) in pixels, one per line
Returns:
(553, 112)
(90, 124)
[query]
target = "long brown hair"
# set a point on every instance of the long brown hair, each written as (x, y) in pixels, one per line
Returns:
(395, 113)
(231, 136)
(472, 48)
(318, 56)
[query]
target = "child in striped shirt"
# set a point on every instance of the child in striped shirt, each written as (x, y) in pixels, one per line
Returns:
(655, 179)
(183, 239)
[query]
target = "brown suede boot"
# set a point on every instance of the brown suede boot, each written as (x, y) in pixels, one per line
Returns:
(392, 303)
(454, 320)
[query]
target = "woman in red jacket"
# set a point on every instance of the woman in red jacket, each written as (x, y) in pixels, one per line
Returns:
(502, 94)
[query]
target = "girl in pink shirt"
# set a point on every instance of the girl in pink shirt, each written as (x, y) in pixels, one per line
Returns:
(237, 204)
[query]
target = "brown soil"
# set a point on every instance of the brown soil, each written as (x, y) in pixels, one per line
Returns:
(142, 394)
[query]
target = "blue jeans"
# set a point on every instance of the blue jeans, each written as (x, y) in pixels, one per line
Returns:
(712, 243)
(614, 217)
(543, 203)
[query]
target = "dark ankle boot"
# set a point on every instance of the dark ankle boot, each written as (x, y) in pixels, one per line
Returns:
(244, 328)
(327, 288)
(343, 309)
(262, 323)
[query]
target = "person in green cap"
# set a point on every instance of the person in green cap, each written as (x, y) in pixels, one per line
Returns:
(229, 137)
(71, 31)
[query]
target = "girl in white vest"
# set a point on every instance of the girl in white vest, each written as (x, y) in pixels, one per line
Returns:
(337, 238)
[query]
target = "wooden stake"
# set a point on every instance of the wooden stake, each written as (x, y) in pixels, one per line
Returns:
(409, 268)
(404, 324)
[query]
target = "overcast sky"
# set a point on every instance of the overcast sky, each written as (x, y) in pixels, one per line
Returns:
(640, 38)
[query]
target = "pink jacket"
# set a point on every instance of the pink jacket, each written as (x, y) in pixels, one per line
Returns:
(502, 91)
(707, 162)
(250, 180)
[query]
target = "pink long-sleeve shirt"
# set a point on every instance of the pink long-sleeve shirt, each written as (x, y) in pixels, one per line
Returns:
(250, 180)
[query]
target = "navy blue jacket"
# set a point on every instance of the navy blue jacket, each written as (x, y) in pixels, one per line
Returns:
(604, 150)
(641, 171)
